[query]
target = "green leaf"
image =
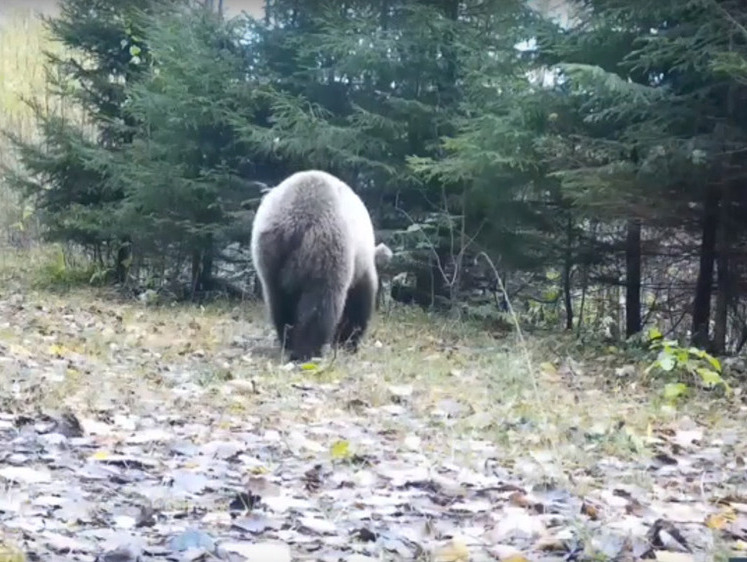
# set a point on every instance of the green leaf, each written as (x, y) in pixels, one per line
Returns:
(674, 390)
(655, 334)
(697, 352)
(710, 377)
(682, 355)
(715, 363)
(667, 362)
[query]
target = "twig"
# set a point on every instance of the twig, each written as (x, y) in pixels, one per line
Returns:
(525, 353)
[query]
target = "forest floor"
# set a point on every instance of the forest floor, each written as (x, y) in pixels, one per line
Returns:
(175, 433)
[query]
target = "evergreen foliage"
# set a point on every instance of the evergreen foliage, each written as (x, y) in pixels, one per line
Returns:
(107, 53)
(606, 152)
(184, 158)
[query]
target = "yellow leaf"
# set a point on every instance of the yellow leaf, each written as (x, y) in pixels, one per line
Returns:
(720, 520)
(237, 408)
(100, 455)
(548, 368)
(455, 551)
(57, 349)
(11, 554)
(669, 556)
(16, 349)
(309, 367)
(340, 449)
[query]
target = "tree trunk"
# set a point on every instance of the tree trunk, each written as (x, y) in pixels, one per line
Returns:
(723, 243)
(206, 270)
(567, 269)
(721, 314)
(633, 278)
(124, 259)
(448, 84)
(196, 265)
(702, 302)
(584, 290)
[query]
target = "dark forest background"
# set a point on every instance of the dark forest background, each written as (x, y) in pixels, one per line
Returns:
(587, 170)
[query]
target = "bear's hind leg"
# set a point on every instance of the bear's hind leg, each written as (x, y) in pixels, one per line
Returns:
(283, 311)
(270, 262)
(356, 315)
(318, 312)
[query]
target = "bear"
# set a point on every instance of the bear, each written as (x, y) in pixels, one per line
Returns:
(313, 248)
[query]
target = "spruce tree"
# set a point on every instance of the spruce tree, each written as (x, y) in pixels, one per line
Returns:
(669, 99)
(107, 51)
(184, 172)
(491, 163)
(366, 86)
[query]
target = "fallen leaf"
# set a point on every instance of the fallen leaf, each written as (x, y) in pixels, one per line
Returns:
(515, 558)
(260, 551)
(515, 521)
(191, 539)
(317, 525)
(25, 475)
(11, 554)
(340, 450)
(720, 520)
(454, 551)
(668, 556)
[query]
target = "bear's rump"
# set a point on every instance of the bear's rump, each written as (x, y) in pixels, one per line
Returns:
(307, 253)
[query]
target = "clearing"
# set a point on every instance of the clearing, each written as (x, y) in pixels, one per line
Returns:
(175, 433)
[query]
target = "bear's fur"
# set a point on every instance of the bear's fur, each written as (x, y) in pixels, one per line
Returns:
(314, 251)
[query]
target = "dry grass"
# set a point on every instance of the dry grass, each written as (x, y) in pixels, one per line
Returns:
(442, 392)
(458, 379)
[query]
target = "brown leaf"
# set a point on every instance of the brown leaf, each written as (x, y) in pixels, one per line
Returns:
(592, 511)
(519, 499)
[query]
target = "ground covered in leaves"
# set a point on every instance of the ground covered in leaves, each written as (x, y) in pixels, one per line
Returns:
(132, 432)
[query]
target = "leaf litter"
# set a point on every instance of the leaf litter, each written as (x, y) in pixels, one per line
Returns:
(135, 434)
